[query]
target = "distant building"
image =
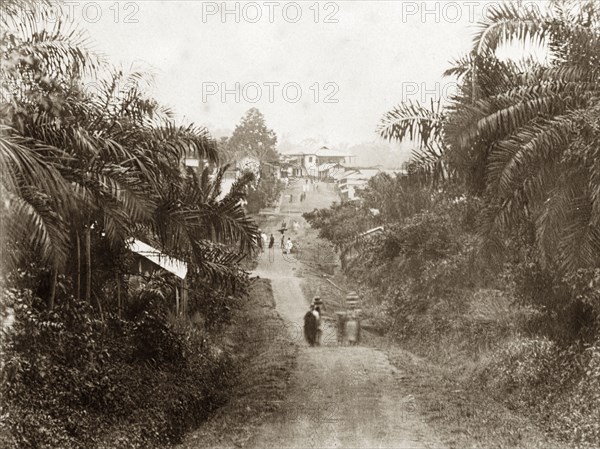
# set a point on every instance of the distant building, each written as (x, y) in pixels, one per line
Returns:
(317, 164)
(261, 170)
(355, 179)
(270, 170)
(329, 170)
(149, 260)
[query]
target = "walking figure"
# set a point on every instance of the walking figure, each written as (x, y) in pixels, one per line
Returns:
(272, 249)
(288, 246)
(317, 313)
(311, 326)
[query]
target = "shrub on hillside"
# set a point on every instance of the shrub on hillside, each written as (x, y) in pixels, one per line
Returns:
(73, 380)
(341, 223)
(560, 384)
(521, 369)
(578, 414)
(264, 194)
(567, 305)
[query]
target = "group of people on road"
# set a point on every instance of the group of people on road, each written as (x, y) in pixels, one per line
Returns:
(265, 241)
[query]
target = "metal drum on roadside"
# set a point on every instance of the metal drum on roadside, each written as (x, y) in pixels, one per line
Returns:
(340, 327)
(352, 320)
(352, 300)
(352, 331)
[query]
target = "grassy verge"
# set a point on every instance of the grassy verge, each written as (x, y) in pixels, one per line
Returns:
(265, 358)
(462, 416)
(461, 413)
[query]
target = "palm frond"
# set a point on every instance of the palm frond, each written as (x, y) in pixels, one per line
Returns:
(412, 121)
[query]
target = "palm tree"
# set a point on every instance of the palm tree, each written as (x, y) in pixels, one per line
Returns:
(424, 127)
(534, 133)
(37, 61)
(521, 133)
(75, 160)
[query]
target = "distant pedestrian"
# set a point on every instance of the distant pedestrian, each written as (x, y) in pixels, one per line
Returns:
(282, 244)
(317, 313)
(288, 246)
(259, 241)
(310, 327)
(271, 241)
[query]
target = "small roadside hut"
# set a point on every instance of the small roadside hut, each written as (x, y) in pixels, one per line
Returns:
(150, 260)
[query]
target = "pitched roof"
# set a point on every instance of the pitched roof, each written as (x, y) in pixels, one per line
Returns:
(328, 165)
(361, 174)
(321, 152)
(326, 152)
(172, 265)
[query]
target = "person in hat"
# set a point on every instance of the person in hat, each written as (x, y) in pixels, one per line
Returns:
(317, 313)
(317, 301)
(311, 326)
(317, 306)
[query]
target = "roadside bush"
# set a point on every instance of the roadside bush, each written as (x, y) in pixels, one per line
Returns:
(578, 414)
(521, 369)
(265, 194)
(568, 306)
(71, 380)
(522, 331)
(341, 223)
(561, 385)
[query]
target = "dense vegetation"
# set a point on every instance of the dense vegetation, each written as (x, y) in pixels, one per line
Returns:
(94, 353)
(491, 241)
(253, 143)
(266, 193)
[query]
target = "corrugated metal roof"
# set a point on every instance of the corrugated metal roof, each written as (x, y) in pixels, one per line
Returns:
(172, 265)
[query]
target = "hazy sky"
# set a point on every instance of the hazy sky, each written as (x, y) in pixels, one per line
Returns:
(374, 55)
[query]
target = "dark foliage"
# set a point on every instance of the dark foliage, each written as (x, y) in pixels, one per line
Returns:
(71, 380)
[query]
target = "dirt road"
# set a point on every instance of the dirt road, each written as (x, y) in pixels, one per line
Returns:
(340, 397)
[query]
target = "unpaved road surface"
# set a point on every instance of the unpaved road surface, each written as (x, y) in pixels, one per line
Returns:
(340, 397)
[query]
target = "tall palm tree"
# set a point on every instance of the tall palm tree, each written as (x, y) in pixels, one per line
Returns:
(534, 131)
(521, 133)
(74, 159)
(424, 127)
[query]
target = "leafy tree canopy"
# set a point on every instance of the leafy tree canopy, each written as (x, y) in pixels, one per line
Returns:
(252, 138)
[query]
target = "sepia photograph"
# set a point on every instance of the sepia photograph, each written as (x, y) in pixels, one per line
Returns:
(302, 224)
